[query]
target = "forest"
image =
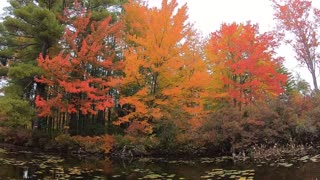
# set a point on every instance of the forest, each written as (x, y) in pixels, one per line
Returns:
(122, 78)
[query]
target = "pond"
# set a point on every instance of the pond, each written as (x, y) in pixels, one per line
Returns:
(31, 165)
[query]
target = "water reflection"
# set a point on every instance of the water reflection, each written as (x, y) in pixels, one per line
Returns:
(25, 173)
(27, 165)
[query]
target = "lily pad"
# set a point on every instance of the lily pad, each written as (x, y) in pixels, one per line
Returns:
(285, 164)
(304, 158)
(314, 160)
(205, 177)
(152, 176)
(3, 151)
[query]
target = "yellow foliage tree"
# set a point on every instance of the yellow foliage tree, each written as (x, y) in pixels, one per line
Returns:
(164, 70)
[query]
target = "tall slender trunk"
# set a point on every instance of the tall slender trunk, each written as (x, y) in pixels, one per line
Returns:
(41, 87)
(315, 83)
(73, 124)
(109, 123)
(155, 83)
(101, 118)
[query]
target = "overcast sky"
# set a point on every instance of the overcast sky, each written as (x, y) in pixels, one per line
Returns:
(207, 15)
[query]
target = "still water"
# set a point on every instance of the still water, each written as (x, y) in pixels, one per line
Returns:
(31, 165)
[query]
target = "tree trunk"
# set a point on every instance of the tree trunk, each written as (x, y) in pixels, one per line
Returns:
(314, 79)
(73, 124)
(41, 88)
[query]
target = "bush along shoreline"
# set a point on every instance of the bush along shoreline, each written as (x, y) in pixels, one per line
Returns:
(96, 147)
(255, 153)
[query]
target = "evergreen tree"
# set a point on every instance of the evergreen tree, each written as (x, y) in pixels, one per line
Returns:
(30, 29)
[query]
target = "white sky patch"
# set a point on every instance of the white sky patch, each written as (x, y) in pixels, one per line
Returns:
(208, 15)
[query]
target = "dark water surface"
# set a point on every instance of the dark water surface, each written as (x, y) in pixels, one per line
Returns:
(20, 164)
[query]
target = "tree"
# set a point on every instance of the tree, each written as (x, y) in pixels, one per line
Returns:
(163, 65)
(15, 112)
(302, 86)
(298, 21)
(31, 28)
(80, 78)
(243, 64)
(102, 9)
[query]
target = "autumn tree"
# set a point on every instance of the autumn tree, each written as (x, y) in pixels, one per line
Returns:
(243, 64)
(80, 78)
(163, 65)
(298, 25)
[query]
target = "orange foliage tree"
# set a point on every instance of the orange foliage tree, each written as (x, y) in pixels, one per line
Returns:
(243, 64)
(298, 25)
(80, 78)
(164, 71)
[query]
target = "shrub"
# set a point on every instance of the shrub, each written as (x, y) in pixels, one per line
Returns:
(40, 139)
(16, 136)
(223, 128)
(130, 145)
(95, 144)
(15, 112)
(65, 142)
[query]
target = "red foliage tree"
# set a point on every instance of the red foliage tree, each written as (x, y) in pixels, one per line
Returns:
(243, 64)
(80, 78)
(298, 25)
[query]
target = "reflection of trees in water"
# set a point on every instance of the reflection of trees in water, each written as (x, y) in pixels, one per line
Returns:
(103, 165)
(138, 168)
(25, 173)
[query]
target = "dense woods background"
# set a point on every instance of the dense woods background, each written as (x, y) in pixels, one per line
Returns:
(112, 75)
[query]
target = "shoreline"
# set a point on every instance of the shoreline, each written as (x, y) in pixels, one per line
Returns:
(252, 155)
